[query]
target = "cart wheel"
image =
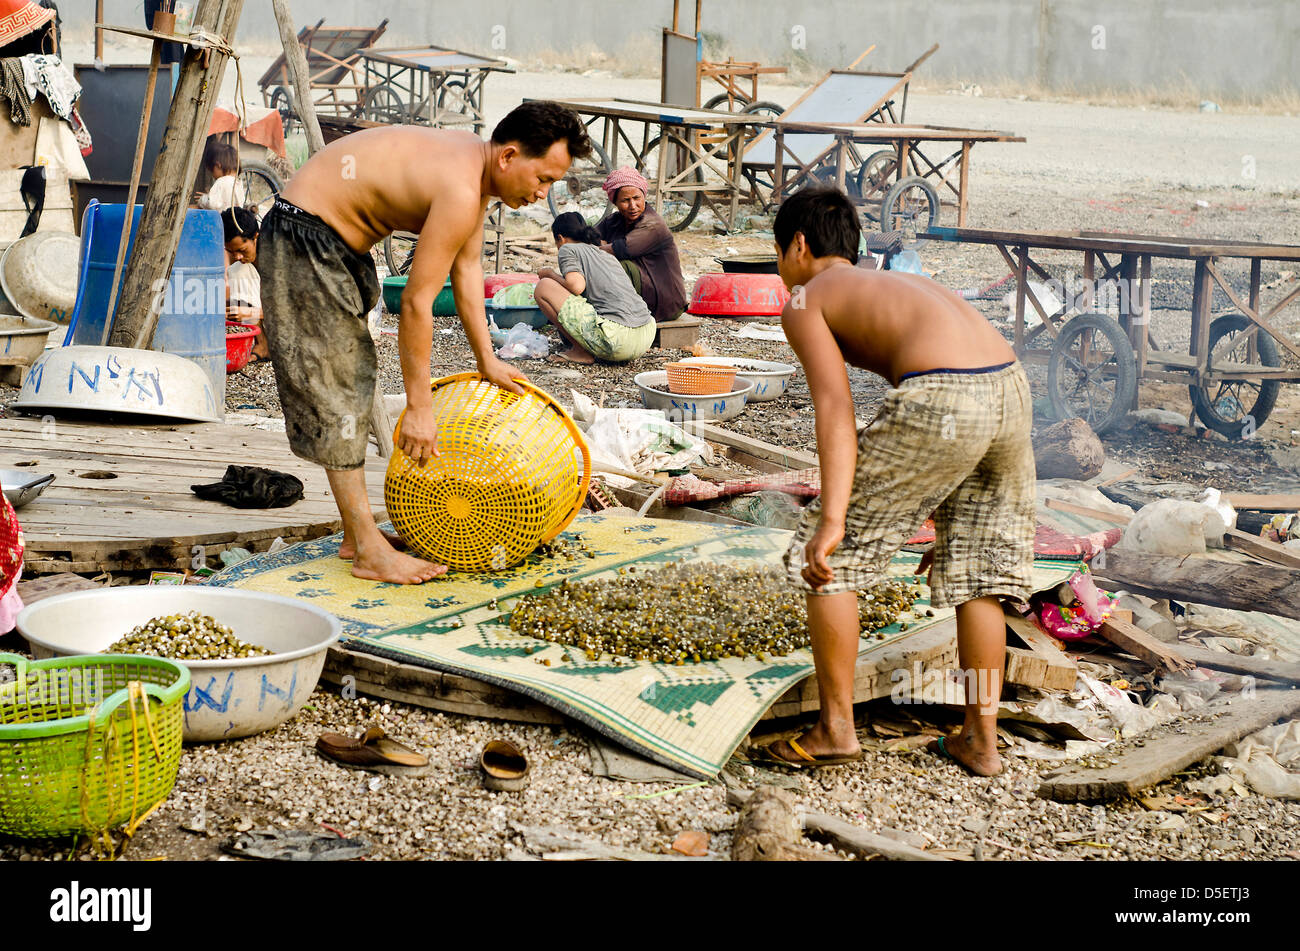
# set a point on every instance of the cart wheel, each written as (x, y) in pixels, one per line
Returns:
(763, 108)
(910, 206)
(1092, 373)
(399, 251)
(261, 185)
(736, 103)
(680, 208)
(581, 189)
(875, 173)
(282, 102)
(1236, 408)
(451, 97)
(383, 104)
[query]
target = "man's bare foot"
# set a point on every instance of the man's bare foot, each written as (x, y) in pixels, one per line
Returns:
(348, 548)
(819, 744)
(385, 564)
(960, 749)
(574, 355)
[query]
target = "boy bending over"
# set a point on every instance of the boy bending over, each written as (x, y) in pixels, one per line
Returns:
(952, 439)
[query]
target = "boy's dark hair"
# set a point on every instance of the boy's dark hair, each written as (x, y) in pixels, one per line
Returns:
(826, 217)
(571, 224)
(536, 126)
(220, 155)
(239, 223)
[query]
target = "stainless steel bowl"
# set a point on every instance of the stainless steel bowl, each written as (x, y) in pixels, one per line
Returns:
(22, 485)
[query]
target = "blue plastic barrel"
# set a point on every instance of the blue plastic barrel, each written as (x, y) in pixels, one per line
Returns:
(193, 320)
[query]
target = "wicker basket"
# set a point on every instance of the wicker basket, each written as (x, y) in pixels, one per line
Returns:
(700, 379)
(511, 472)
(88, 743)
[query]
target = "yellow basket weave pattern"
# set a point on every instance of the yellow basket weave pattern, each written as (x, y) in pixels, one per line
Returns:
(511, 471)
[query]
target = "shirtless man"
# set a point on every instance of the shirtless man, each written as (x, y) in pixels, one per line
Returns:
(952, 439)
(319, 283)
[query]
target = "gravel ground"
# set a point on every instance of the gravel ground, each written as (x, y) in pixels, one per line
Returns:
(277, 781)
(1084, 166)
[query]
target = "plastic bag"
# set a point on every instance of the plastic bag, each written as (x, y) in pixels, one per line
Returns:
(1174, 527)
(523, 341)
(638, 440)
(515, 295)
(1089, 608)
(772, 509)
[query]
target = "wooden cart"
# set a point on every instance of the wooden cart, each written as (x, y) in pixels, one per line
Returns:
(898, 187)
(1233, 369)
(332, 61)
(426, 85)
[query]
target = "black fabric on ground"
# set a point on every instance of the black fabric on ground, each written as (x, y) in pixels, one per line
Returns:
(251, 487)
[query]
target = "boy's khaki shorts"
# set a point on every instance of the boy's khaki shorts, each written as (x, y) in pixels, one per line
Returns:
(955, 445)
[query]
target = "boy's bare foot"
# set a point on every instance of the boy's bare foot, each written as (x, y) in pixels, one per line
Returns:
(385, 564)
(976, 760)
(574, 355)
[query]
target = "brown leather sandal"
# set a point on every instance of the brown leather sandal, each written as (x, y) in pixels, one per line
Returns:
(372, 751)
(504, 765)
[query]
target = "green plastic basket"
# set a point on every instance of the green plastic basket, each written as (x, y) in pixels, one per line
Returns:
(77, 752)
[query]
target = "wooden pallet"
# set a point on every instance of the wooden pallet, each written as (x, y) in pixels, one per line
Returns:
(144, 515)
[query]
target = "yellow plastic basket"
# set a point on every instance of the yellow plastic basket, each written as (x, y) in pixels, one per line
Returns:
(511, 471)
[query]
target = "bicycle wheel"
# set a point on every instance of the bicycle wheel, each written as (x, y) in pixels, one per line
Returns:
(399, 251)
(1092, 373)
(261, 185)
(678, 208)
(282, 102)
(763, 107)
(875, 174)
(721, 101)
(1236, 408)
(582, 189)
(910, 206)
(383, 104)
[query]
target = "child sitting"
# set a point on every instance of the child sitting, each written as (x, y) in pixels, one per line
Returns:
(226, 192)
(591, 298)
(952, 439)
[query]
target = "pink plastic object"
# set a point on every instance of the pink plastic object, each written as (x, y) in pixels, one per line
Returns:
(738, 295)
(494, 282)
(1089, 611)
(11, 565)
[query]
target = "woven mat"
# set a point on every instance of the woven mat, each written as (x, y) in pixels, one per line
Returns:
(690, 717)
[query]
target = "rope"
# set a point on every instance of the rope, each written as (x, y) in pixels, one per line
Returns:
(201, 39)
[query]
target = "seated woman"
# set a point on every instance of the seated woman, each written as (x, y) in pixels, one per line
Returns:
(591, 299)
(243, 283)
(638, 236)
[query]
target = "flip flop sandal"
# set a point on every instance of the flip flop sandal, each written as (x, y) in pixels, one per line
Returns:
(505, 767)
(807, 760)
(373, 751)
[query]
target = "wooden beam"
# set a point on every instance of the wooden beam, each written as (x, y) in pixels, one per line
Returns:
(786, 458)
(1201, 579)
(1264, 503)
(1041, 664)
(1238, 664)
(1261, 548)
(163, 217)
(1142, 766)
(1140, 644)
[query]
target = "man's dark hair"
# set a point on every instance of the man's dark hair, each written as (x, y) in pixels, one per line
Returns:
(536, 126)
(826, 217)
(239, 223)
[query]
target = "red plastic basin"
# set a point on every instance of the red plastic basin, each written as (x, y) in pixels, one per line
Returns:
(494, 282)
(239, 346)
(738, 295)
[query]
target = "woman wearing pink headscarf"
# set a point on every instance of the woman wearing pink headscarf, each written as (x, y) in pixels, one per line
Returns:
(638, 236)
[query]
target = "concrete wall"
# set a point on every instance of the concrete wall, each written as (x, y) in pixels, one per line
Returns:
(1238, 49)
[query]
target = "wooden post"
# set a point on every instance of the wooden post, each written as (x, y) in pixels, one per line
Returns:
(163, 216)
(99, 34)
(133, 189)
(962, 182)
(381, 424)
